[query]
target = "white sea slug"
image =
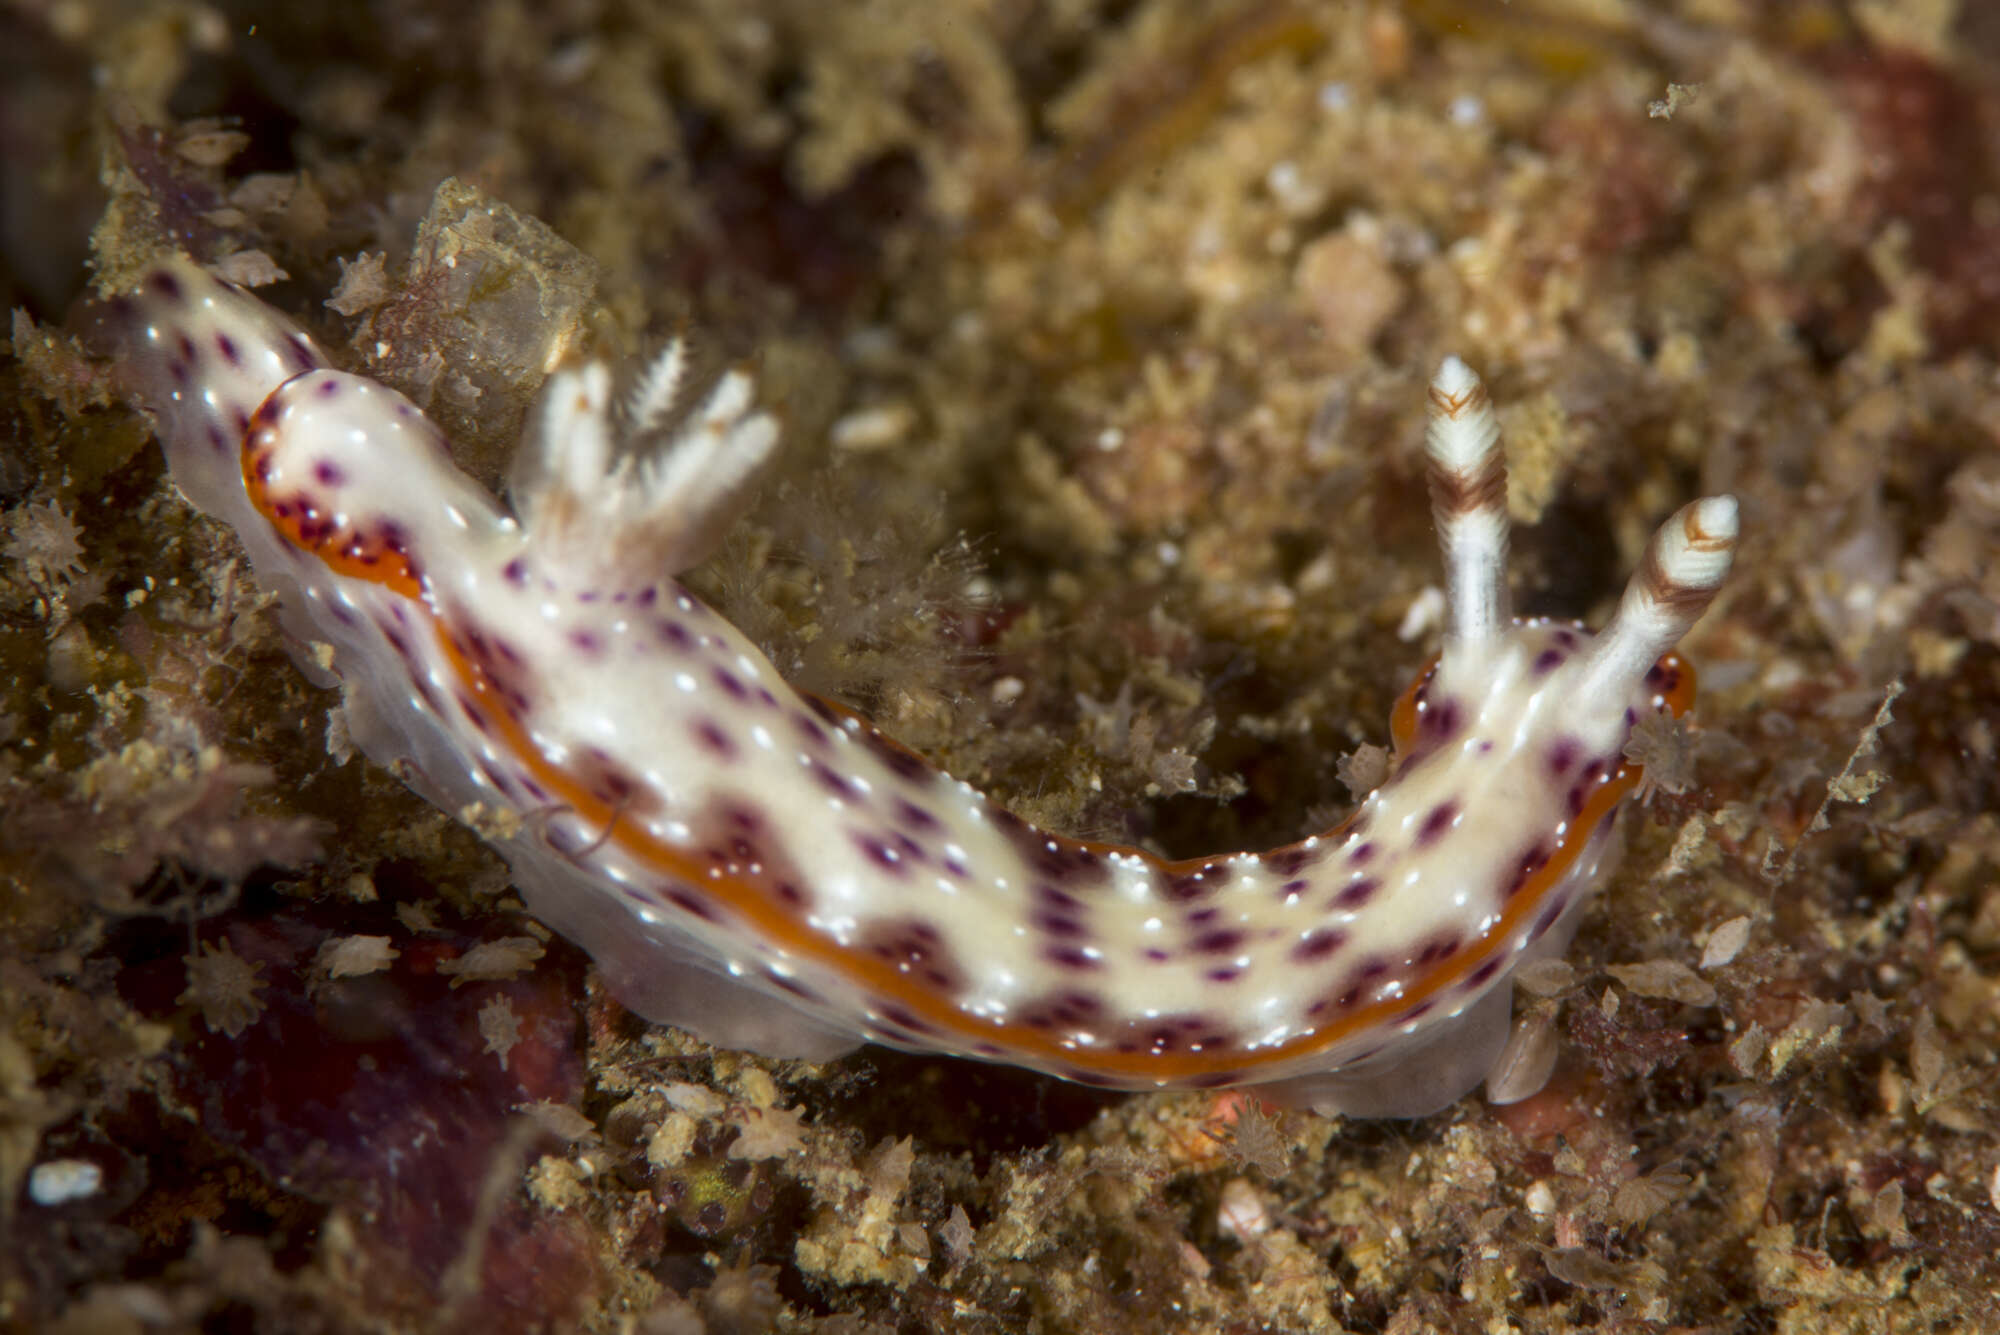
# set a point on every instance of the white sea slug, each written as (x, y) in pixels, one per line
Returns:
(767, 870)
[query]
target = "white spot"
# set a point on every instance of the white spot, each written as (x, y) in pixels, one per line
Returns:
(1425, 614)
(60, 1181)
(686, 681)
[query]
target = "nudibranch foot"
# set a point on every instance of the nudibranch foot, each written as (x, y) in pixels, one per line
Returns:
(769, 871)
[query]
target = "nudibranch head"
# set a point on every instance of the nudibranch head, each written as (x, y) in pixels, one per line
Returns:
(768, 870)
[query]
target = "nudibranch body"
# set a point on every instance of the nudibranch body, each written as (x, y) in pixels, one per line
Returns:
(767, 870)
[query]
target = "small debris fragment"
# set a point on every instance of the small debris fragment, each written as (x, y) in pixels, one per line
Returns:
(60, 1181)
(353, 956)
(500, 1027)
(224, 987)
(1725, 943)
(1669, 980)
(1678, 95)
(493, 961)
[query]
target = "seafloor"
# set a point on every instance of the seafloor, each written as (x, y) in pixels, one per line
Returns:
(1101, 329)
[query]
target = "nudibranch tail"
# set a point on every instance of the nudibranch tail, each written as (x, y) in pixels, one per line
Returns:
(770, 871)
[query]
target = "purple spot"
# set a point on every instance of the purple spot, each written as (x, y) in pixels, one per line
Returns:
(1189, 885)
(1362, 853)
(1155, 955)
(880, 854)
(1219, 942)
(1224, 975)
(1483, 975)
(1547, 661)
(810, 728)
(1292, 860)
(1361, 982)
(1072, 957)
(914, 816)
(1317, 944)
(905, 1019)
(164, 286)
(1292, 888)
(834, 782)
(1050, 897)
(675, 634)
(1548, 917)
(1436, 823)
(1057, 924)
(515, 572)
(1440, 947)
(915, 948)
(690, 903)
(1359, 893)
(711, 736)
(899, 762)
(1441, 721)
(585, 641)
(227, 347)
(328, 473)
(1532, 861)
(796, 988)
(329, 387)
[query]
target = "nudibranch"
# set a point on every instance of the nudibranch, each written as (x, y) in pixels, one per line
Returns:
(767, 870)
